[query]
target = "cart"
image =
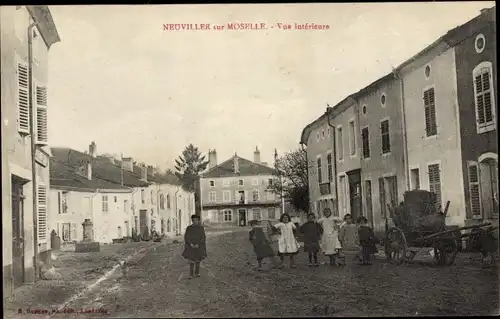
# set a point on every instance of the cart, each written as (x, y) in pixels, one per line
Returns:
(418, 224)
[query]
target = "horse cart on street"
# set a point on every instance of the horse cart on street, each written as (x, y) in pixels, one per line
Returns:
(418, 224)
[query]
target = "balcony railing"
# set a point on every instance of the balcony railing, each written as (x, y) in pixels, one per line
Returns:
(325, 188)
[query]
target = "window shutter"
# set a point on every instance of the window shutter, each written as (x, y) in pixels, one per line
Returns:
(23, 119)
(41, 114)
(474, 190)
(42, 213)
(430, 112)
(72, 235)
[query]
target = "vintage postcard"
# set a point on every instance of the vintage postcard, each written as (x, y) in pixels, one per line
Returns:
(249, 160)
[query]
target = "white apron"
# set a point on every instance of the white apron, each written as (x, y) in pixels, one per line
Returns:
(330, 239)
(287, 244)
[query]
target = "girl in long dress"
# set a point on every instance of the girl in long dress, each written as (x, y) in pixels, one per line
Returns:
(287, 244)
(330, 243)
(348, 237)
(194, 246)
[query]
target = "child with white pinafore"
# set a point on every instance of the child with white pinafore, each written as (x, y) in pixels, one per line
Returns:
(330, 243)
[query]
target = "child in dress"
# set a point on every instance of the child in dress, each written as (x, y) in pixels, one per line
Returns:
(194, 246)
(312, 232)
(367, 240)
(287, 243)
(261, 244)
(330, 243)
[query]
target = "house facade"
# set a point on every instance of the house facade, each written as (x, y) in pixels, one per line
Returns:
(25, 155)
(476, 71)
(77, 194)
(382, 155)
(235, 192)
(319, 139)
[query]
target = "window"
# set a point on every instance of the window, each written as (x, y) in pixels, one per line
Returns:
(323, 134)
(435, 182)
(382, 99)
(415, 178)
(386, 139)
(484, 97)
(226, 196)
(329, 166)
(342, 193)
(352, 138)
(318, 137)
(271, 213)
(22, 98)
(480, 43)
(212, 183)
(363, 109)
(64, 202)
(66, 231)
(255, 182)
(226, 183)
(125, 206)
(152, 196)
(270, 195)
(257, 214)
(104, 203)
(270, 182)
(212, 196)
(143, 199)
(168, 201)
(365, 137)
(381, 197)
(427, 71)
(255, 195)
(430, 112)
(340, 144)
(320, 171)
(115, 199)
(162, 201)
(392, 185)
(41, 114)
(42, 212)
(228, 215)
(240, 182)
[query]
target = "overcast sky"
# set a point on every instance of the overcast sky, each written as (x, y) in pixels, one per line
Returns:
(118, 79)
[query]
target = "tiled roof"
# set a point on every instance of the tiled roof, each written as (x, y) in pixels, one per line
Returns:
(102, 168)
(246, 168)
(66, 160)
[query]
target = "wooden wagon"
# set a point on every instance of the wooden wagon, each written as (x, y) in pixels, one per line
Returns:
(419, 224)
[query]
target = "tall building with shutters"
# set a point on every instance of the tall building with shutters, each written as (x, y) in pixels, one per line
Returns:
(476, 71)
(25, 153)
(236, 191)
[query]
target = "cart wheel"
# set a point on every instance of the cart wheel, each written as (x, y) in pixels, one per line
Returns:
(395, 246)
(445, 252)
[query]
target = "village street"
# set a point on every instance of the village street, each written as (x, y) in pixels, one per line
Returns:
(157, 286)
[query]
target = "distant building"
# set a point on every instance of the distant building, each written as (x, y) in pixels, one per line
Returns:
(235, 192)
(118, 196)
(25, 154)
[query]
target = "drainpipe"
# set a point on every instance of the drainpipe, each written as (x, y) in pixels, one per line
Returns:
(334, 159)
(33, 148)
(92, 213)
(302, 145)
(405, 135)
(176, 213)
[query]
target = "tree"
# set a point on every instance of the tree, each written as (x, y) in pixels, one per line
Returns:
(294, 184)
(189, 166)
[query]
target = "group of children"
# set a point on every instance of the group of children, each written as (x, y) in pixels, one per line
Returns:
(335, 239)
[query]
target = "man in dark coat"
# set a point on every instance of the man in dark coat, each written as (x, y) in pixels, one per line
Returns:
(194, 246)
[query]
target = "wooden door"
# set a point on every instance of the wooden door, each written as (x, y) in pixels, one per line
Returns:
(17, 232)
(355, 193)
(369, 204)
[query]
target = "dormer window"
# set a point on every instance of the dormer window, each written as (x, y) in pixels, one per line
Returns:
(212, 183)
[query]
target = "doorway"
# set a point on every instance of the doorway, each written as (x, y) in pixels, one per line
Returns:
(17, 231)
(369, 204)
(242, 214)
(143, 219)
(355, 198)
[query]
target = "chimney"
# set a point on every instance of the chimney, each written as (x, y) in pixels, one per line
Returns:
(89, 170)
(127, 164)
(212, 159)
(256, 155)
(151, 170)
(93, 149)
(236, 164)
(144, 172)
